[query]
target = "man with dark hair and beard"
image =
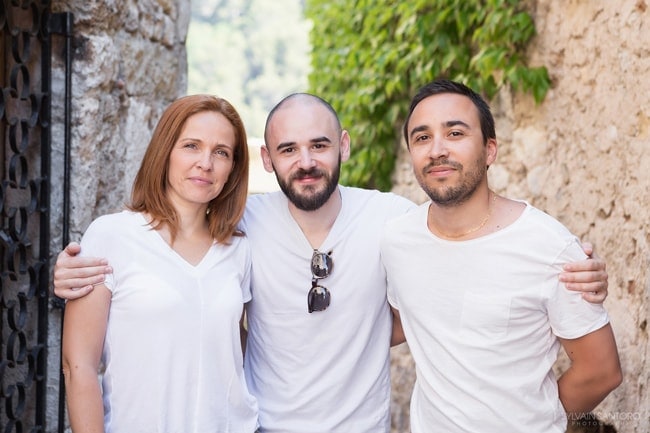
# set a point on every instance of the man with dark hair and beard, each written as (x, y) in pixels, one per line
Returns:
(474, 278)
(319, 326)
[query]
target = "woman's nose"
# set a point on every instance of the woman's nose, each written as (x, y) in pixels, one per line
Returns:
(205, 160)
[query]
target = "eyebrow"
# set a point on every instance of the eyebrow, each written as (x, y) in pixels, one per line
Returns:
(451, 123)
(293, 143)
(418, 129)
(285, 144)
(320, 140)
(198, 140)
(447, 124)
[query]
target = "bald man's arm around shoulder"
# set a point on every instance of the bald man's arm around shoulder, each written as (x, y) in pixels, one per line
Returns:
(594, 372)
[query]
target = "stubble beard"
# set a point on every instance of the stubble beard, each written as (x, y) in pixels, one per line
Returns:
(453, 195)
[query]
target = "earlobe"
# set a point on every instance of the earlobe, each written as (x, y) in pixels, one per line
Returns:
(266, 159)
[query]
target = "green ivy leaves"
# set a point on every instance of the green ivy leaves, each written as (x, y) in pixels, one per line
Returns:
(370, 57)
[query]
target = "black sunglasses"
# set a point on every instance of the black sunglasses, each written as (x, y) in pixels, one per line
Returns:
(318, 298)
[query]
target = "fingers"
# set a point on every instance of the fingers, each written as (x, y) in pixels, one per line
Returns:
(587, 286)
(79, 266)
(73, 293)
(594, 264)
(587, 276)
(593, 285)
(87, 272)
(72, 249)
(75, 276)
(588, 248)
(595, 297)
(597, 277)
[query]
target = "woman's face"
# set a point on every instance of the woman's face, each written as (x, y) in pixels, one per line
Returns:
(201, 160)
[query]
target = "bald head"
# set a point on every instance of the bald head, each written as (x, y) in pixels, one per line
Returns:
(301, 102)
(305, 146)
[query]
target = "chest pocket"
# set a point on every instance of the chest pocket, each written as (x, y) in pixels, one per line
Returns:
(485, 316)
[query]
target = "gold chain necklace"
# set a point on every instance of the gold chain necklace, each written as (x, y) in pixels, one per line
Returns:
(473, 229)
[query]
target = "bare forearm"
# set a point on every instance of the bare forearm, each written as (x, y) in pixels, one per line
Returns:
(84, 330)
(594, 372)
(581, 393)
(85, 405)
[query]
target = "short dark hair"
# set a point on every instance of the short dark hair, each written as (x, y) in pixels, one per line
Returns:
(441, 86)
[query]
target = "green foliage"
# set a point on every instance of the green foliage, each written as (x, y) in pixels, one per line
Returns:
(251, 52)
(369, 58)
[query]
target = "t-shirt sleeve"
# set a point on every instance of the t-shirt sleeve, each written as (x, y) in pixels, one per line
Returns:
(390, 291)
(399, 207)
(569, 314)
(390, 295)
(246, 276)
(402, 205)
(96, 242)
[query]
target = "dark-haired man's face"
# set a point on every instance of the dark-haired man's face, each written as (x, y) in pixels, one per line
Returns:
(447, 148)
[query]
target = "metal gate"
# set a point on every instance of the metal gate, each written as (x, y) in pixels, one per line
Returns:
(25, 106)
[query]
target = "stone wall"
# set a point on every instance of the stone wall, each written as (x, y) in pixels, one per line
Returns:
(583, 156)
(129, 64)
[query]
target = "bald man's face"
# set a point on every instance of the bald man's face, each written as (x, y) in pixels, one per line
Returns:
(305, 148)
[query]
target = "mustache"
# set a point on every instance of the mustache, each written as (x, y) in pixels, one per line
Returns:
(313, 172)
(445, 161)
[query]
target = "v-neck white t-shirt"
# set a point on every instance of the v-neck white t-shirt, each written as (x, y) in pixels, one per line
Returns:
(172, 353)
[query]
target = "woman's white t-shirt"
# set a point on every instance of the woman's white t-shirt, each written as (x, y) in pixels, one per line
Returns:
(172, 353)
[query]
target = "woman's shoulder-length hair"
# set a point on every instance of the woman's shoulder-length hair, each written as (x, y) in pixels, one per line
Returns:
(150, 185)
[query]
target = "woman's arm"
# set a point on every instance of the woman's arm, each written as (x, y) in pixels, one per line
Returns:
(84, 329)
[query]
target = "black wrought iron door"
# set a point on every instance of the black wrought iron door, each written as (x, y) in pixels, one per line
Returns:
(24, 212)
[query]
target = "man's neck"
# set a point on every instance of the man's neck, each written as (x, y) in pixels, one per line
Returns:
(462, 221)
(316, 224)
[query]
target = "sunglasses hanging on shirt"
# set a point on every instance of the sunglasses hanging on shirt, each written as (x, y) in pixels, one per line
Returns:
(318, 298)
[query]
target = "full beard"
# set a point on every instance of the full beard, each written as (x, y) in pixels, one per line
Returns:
(310, 198)
(454, 195)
